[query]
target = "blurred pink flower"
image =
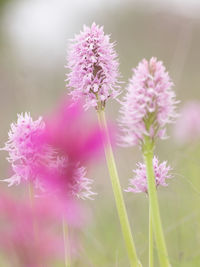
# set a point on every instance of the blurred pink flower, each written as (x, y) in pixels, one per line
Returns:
(65, 179)
(138, 184)
(149, 103)
(29, 235)
(187, 128)
(50, 153)
(72, 132)
(77, 141)
(93, 66)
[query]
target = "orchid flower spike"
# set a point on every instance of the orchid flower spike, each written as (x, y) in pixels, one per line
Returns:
(93, 67)
(34, 160)
(149, 103)
(138, 184)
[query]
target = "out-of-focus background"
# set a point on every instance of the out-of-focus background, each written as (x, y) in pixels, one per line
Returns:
(34, 36)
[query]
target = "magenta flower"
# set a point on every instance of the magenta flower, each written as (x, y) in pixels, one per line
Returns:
(73, 133)
(66, 180)
(138, 184)
(149, 103)
(187, 128)
(93, 66)
(77, 141)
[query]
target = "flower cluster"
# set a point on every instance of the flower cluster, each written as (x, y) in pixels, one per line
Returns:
(187, 128)
(24, 153)
(138, 184)
(33, 159)
(93, 66)
(149, 103)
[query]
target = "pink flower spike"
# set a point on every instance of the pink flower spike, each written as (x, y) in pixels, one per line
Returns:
(138, 184)
(25, 152)
(187, 128)
(50, 153)
(148, 105)
(93, 66)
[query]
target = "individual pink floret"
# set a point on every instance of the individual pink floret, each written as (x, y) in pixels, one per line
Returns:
(138, 184)
(187, 128)
(93, 67)
(149, 103)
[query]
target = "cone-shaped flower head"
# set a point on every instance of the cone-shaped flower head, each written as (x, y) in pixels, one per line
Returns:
(23, 148)
(138, 184)
(187, 128)
(93, 66)
(149, 103)
(34, 159)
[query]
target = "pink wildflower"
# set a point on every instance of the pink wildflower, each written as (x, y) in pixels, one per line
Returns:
(138, 184)
(77, 141)
(39, 153)
(93, 66)
(149, 103)
(187, 128)
(24, 150)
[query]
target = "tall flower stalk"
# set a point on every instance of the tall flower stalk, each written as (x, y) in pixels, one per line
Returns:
(121, 208)
(154, 207)
(146, 109)
(93, 66)
(151, 241)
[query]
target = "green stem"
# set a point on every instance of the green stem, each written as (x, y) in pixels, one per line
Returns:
(153, 202)
(34, 222)
(151, 250)
(66, 243)
(118, 192)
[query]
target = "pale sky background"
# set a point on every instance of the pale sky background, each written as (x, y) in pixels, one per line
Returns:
(43, 26)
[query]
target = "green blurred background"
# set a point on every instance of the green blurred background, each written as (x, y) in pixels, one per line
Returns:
(33, 46)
